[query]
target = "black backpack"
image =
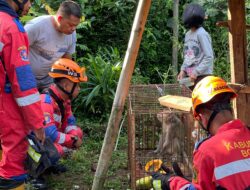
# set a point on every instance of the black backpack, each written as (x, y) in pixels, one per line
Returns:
(40, 156)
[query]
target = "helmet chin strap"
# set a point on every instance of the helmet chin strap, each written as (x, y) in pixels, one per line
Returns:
(20, 6)
(216, 109)
(70, 94)
(203, 127)
(211, 118)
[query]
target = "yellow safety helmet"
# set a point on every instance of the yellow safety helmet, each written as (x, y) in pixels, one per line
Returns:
(66, 68)
(208, 88)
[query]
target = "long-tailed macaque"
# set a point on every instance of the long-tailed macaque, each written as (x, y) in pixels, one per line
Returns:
(172, 137)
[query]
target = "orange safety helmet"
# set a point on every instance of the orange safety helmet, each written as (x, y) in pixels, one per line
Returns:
(66, 68)
(206, 89)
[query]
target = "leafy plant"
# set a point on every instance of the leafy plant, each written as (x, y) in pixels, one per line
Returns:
(167, 77)
(103, 71)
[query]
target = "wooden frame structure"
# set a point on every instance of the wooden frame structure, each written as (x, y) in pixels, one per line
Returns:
(238, 58)
(238, 55)
(237, 27)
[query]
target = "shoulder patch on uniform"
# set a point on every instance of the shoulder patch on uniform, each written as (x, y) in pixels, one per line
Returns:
(197, 145)
(19, 25)
(195, 175)
(47, 99)
(23, 53)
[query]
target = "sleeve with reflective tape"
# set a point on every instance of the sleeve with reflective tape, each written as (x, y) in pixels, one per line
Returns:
(70, 126)
(69, 118)
(23, 83)
(51, 129)
(202, 175)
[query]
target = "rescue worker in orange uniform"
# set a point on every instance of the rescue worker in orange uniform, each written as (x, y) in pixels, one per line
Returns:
(56, 104)
(20, 106)
(221, 161)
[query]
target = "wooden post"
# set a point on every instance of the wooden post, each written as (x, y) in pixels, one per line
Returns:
(131, 148)
(238, 55)
(121, 93)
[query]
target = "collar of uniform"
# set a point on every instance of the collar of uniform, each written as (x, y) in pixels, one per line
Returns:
(54, 89)
(234, 124)
(4, 7)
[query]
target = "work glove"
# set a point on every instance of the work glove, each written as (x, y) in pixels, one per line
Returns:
(77, 142)
(40, 134)
(76, 132)
(161, 181)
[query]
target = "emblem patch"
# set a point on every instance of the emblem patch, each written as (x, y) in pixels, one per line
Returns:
(24, 55)
(195, 175)
(47, 118)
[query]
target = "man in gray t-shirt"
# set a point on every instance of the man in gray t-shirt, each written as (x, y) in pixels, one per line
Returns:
(52, 38)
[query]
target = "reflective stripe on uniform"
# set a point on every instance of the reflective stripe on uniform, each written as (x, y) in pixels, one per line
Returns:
(28, 100)
(232, 168)
(33, 154)
(61, 138)
(57, 117)
(184, 187)
(1, 46)
(157, 184)
(70, 127)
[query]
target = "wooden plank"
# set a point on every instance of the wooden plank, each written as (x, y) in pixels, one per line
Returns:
(176, 102)
(227, 24)
(240, 88)
(238, 55)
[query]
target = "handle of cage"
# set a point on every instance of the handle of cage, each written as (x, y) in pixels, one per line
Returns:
(176, 169)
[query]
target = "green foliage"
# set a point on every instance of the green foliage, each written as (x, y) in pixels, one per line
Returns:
(103, 71)
(138, 78)
(155, 46)
(166, 77)
(107, 23)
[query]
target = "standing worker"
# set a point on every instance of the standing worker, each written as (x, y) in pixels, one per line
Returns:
(52, 37)
(20, 106)
(222, 161)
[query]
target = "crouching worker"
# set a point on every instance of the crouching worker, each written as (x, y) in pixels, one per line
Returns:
(222, 161)
(56, 105)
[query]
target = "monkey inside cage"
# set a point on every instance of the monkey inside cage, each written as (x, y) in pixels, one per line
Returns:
(157, 133)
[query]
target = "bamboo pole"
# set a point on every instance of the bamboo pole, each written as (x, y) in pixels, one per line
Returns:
(121, 93)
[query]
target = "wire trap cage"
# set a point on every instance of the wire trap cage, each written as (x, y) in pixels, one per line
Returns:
(158, 133)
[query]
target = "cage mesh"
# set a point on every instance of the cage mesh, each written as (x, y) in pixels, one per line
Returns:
(149, 123)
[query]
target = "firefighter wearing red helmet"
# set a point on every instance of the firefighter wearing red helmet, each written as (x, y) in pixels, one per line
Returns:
(20, 108)
(221, 161)
(56, 104)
